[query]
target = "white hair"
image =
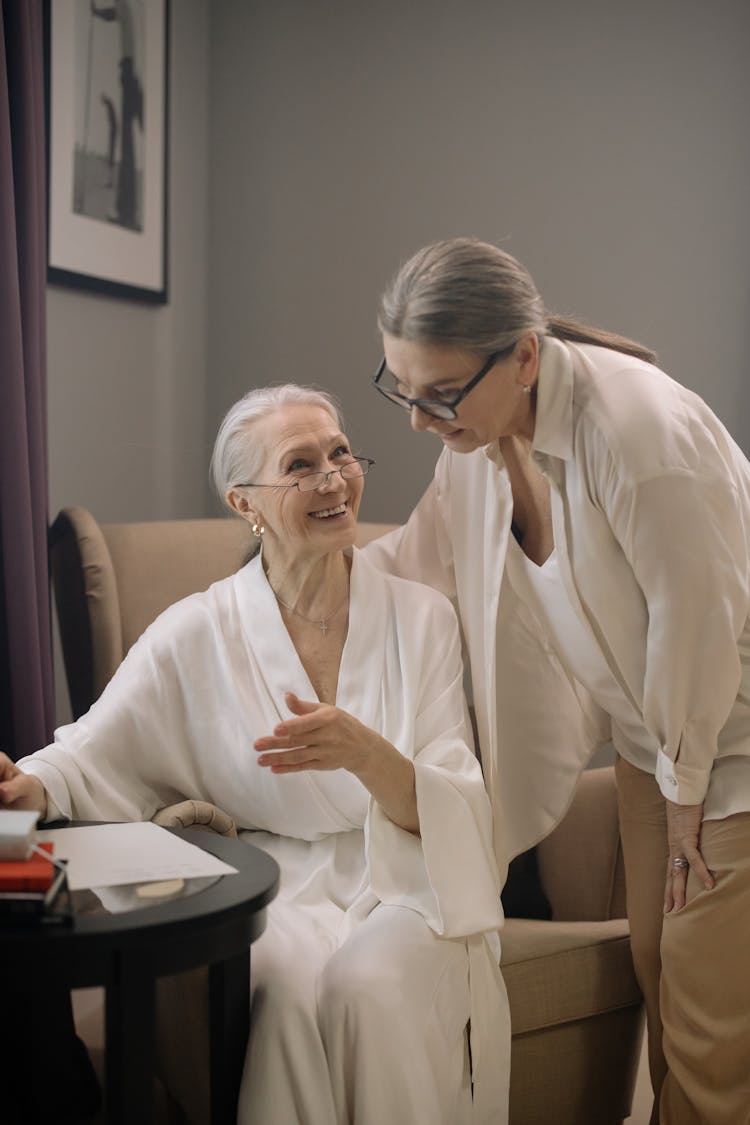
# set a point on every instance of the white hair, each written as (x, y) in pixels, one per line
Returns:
(236, 457)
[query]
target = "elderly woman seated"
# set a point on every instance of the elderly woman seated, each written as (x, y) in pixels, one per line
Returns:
(319, 702)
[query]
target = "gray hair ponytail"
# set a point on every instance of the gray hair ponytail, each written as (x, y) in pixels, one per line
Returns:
(469, 294)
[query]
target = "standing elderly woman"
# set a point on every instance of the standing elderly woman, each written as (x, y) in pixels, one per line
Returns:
(591, 518)
(319, 702)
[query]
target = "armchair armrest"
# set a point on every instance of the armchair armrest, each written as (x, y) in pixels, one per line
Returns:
(196, 814)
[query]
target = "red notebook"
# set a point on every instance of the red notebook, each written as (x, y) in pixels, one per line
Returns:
(33, 874)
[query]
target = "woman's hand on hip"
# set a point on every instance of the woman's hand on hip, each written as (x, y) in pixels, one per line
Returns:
(683, 830)
(323, 737)
(19, 790)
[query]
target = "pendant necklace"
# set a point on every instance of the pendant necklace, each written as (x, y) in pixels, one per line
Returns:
(322, 625)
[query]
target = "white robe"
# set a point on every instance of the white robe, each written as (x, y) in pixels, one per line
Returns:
(179, 720)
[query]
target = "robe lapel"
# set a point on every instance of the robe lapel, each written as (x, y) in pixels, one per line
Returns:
(338, 792)
(266, 635)
(363, 659)
(497, 519)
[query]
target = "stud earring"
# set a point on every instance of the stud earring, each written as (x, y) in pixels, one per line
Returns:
(526, 389)
(258, 530)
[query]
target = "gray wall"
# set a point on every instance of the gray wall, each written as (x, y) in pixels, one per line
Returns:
(127, 382)
(605, 145)
(313, 146)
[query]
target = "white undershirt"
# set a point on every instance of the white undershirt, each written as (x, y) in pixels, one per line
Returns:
(542, 589)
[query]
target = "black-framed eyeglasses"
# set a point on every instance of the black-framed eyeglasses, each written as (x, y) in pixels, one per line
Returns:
(309, 482)
(437, 407)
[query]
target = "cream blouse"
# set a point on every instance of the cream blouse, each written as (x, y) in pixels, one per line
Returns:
(651, 513)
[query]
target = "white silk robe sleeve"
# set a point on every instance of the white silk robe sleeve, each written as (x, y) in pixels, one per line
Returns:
(449, 872)
(125, 758)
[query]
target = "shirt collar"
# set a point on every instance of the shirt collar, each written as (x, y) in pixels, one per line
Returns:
(553, 429)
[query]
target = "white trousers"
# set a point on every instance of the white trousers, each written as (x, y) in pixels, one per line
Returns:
(370, 1033)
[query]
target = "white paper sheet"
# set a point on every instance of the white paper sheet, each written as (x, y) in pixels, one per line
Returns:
(113, 855)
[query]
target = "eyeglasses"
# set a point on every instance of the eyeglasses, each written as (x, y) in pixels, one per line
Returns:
(309, 482)
(437, 407)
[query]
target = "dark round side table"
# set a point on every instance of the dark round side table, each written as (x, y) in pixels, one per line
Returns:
(124, 953)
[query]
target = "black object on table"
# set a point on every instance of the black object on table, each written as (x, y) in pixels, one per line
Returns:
(125, 953)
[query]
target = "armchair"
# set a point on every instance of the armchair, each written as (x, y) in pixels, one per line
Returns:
(575, 1005)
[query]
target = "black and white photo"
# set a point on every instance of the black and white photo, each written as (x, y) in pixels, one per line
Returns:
(107, 133)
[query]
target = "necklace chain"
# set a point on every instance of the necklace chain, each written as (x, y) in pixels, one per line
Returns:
(322, 625)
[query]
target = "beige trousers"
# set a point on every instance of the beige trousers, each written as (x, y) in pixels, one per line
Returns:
(693, 965)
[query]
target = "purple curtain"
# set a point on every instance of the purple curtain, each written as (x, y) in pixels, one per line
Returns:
(26, 684)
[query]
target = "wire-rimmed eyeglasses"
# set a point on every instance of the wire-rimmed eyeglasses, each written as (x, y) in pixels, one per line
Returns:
(309, 482)
(437, 407)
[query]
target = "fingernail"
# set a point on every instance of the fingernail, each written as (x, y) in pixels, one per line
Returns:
(280, 731)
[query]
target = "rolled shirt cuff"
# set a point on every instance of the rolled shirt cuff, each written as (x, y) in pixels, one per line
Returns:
(681, 784)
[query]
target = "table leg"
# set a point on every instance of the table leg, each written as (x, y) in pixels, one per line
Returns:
(129, 1031)
(229, 1027)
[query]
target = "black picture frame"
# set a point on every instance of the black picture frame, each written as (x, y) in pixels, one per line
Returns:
(107, 93)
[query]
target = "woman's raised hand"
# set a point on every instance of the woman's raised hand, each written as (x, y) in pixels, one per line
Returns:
(19, 790)
(323, 737)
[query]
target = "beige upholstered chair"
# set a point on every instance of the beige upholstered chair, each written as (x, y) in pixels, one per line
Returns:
(575, 1004)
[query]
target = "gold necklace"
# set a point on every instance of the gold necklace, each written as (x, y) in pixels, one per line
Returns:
(322, 625)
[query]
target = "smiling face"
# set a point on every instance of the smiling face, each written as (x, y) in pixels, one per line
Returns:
(497, 407)
(300, 439)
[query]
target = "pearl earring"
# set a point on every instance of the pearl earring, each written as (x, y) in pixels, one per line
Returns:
(526, 389)
(258, 530)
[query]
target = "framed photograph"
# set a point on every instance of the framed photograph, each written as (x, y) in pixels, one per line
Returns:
(107, 129)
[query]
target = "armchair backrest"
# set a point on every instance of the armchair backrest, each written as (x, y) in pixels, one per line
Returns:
(112, 580)
(580, 862)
